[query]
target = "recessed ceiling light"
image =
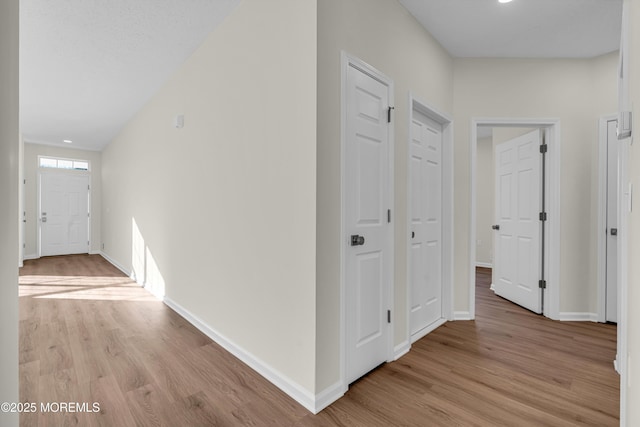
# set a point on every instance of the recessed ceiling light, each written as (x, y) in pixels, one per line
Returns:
(68, 141)
(505, 1)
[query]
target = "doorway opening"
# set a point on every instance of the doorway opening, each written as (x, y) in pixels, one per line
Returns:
(481, 242)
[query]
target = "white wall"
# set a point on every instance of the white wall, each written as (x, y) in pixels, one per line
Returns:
(31, 153)
(633, 301)
(220, 216)
(9, 161)
(485, 217)
(575, 91)
(383, 34)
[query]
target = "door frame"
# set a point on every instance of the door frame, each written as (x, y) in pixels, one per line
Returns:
(602, 215)
(52, 171)
(346, 61)
(552, 229)
(446, 121)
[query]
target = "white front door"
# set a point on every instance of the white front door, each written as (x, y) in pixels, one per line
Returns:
(64, 214)
(367, 222)
(518, 197)
(612, 222)
(426, 223)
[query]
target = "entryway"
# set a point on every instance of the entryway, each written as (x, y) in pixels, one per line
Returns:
(525, 228)
(64, 210)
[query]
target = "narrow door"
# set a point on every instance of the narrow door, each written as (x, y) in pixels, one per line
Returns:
(64, 214)
(368, 253)
(426, 222)
(612, 222)
(518, 233)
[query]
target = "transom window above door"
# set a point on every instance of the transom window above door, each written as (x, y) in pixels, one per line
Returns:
(58, 163)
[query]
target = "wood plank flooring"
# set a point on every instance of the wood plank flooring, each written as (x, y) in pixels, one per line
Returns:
(89, 334)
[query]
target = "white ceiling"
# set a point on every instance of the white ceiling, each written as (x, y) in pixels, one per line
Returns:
(86, 67)
(522, 28)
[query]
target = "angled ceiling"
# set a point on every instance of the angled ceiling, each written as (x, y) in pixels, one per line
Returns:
(86, 67)
(522, 28)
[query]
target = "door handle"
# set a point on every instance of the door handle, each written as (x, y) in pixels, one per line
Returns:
(357, 240)
(495, 227)
(614, 231)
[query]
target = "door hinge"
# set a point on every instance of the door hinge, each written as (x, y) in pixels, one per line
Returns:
(389, 114)
(543, 216)
(389, 215)
(543, 148)
(388, 316)
(542, 284)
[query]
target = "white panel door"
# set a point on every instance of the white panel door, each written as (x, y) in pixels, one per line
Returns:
(64, 214)
(368, 253)
(426, 222)
(517, 241)
(612, 222)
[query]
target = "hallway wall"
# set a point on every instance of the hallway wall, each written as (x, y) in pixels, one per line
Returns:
(9, 160)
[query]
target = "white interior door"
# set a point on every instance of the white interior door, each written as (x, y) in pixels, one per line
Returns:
(426, 223)
(612, 222)
(367, 224)
(64, 214)
(517, 207)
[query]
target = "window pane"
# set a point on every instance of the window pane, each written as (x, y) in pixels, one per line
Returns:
(48, 163)
(65, 164)
(83, 166)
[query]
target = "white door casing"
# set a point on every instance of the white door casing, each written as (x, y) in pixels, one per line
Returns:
(612, 223)
(517, 206)
(426, 249)
(367, 200)
(63, 213)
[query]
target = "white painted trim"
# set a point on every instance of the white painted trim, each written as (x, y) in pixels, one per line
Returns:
(602, 216)
(567, 316)
(328, 396)
(446, 121)
(484, 264)
(401, 349)
(462, 315)
(118, 265)
(427, 330)
(552, 231)
(347, 60)
(95, 252)
(31, 256)
(284, 383)
(492, 288)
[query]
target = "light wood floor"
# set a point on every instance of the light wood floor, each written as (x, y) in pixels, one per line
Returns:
(88, 334)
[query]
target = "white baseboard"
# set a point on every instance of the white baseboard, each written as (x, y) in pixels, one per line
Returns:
(578, 317)
(115, 263)
(492, 288)
(461, 315)
(425, 331)
(484, 264)
(298, 393)
(328, 396)
(95, 252)
(30, 256)
(401, 349)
